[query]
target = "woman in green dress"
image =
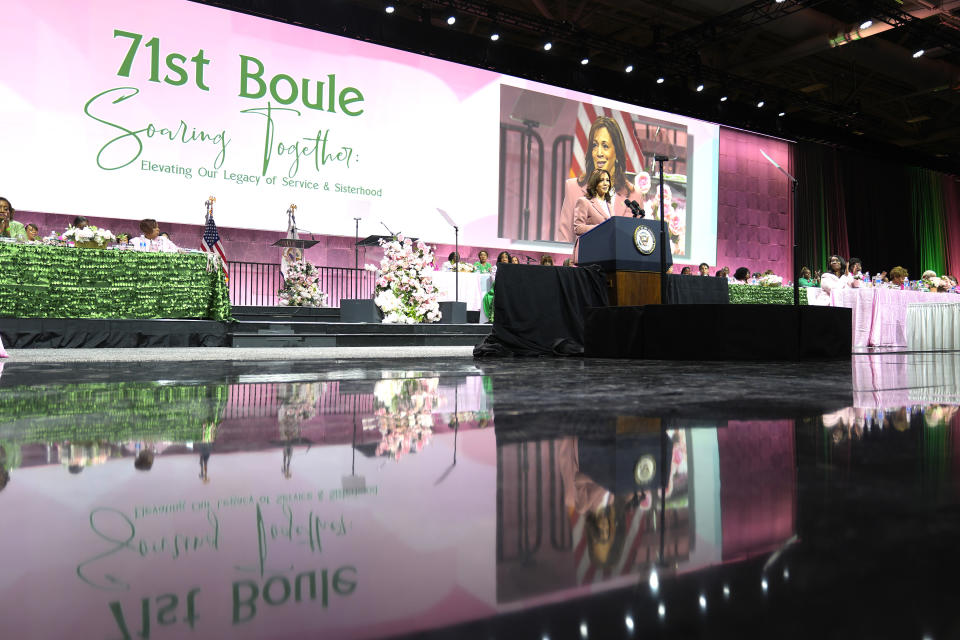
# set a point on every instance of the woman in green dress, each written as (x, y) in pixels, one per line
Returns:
(10, 228)
(483, 264)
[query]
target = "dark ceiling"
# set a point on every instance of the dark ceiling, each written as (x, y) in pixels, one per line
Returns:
(808, 59)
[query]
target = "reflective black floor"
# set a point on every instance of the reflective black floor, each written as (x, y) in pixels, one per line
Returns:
(535, 498)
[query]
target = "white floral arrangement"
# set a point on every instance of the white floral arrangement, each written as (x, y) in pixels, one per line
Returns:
(464, 267)
(88, 234)
(771, 280)
(403, 413)
(301, 286)
(935, 283)
(404, 289)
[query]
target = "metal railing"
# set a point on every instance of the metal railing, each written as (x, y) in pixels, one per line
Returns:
(255, 284)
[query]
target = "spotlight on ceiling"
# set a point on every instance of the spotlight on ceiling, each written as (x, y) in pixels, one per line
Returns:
(389, 8)
(660, 80)
(918, 53)
(781, 1)
(451, 20)
(866, 24)
(782, 113)
(494, 36)
(585, 61)
(723, 98)
(629, 68)
(760, 104)
(699, 87)
(547, 46)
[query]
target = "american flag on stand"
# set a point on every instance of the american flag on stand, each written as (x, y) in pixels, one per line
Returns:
(210, 241)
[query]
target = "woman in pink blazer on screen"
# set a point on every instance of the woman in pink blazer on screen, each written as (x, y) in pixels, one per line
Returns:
(596, 208)
(608, 151)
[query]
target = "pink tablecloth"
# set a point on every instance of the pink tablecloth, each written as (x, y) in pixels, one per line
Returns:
(3, 353)
(880, 315)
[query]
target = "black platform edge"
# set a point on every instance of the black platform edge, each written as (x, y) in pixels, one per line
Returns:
(305, 314)
(754, 332)
(266, 328)
(356, 340)
(53, 333)
(278, 311)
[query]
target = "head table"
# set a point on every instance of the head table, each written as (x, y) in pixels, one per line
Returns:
(39, 281)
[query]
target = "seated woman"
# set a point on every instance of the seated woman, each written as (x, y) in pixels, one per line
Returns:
(806, 279)
(898, 276)
(10, 228)
(546, 260)
(452, 263)
(482, 265)
(741, 275)
(836, 276)
(33, 233)
(80, 223)
(150, 238)
(514, 259)
(502, 258)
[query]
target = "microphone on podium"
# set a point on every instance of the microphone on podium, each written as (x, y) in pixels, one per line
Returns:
(635, 207)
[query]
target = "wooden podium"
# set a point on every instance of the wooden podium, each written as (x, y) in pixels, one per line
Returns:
(627, 251)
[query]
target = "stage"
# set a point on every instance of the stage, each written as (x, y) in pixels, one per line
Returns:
(253, 327)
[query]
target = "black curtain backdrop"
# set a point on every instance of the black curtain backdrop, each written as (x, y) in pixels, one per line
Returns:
(853, 204)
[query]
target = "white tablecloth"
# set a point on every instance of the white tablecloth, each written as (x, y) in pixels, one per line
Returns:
(880, 315)
(473, 286)
(933, 327)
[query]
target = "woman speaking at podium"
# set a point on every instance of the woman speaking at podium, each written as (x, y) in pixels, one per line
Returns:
(608, 151)
(596, 208)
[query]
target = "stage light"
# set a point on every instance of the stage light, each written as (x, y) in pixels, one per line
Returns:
(548, 46)
(660, 80)
(786, 573)
(723, 98)
(781, 1)
(764, 585)
(760, 104)
(389, 8)
(726, 591)
(583, 630)
(662, 611)
(629, 622)
(866, 24)
(703, 602)
(699, 87)
(918, 53)
(585, 61)
(451, 20)
(494, 36)
(629, 68)
(782, 113)
(654, 581)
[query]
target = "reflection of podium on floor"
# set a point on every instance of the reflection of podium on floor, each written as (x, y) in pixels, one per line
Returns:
(628, 252)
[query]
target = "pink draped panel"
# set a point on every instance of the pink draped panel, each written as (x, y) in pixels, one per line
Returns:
(951, 205)
(754, 213)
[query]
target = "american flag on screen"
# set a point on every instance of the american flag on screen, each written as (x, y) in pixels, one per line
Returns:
(210, 241)
(586, 114)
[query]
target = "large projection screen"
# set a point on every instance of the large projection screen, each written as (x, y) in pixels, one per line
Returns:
(132, 110)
